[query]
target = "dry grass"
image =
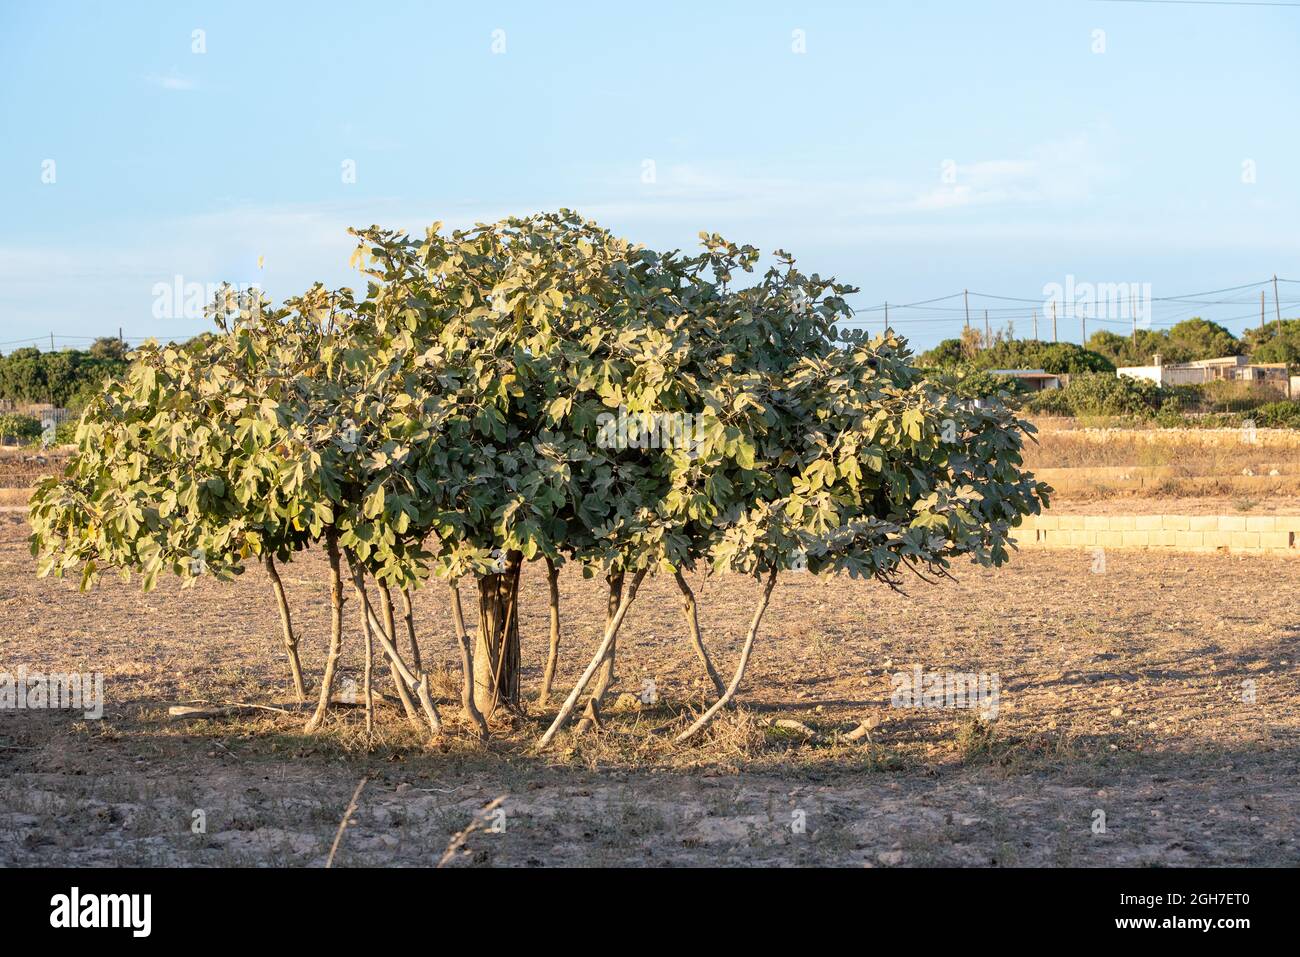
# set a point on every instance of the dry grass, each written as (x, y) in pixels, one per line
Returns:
(1138, 710)
(1116, 463)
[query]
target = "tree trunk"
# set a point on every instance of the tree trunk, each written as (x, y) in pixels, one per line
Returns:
(286, 627)
(693, 625)
(611, 631)
(553, 654)
(605, 678)
(730, 693)
(336, 629)
(390, 626)
(496, 650)
(472, 714)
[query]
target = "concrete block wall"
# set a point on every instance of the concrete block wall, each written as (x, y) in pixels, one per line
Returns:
(1234, 534)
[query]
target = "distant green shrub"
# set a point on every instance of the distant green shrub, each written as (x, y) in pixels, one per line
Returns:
(1277, 415)
(1101, 394)
(22, 428)
(1057, 358)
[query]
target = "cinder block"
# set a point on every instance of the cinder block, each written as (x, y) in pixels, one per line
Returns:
(1123, 523)
(1162, 539)
(1190, 540)
(1260, 523)
(1082, 537)
(1232, 523)
(1110, 539)
(1204, 523)
(1217, 539)
(1044, 521)
(1245, 540)
(1135, 539)
(1275, 539)
(1176, 523)
(1147, 523)
(1075, 522)
(1096, 523)
(1286, 523)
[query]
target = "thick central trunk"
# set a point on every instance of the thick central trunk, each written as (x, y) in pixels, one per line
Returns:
(496, 649)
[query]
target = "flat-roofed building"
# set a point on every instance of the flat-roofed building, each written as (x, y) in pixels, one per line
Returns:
(1228, 368)
(1035, 379)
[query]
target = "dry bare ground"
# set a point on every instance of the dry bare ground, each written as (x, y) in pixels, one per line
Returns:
(1121, 692)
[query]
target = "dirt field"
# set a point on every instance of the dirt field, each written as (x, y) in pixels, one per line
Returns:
(1135, 710)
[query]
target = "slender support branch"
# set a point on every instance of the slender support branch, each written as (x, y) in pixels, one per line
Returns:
(552, 655)
(408, 612)
(419, 683)
(286, 627)
(359, 590)
(611, 631)
(336, 629)
(591, 715)
(703, 720)
(689, 608)
(390, 626)
(472, 713)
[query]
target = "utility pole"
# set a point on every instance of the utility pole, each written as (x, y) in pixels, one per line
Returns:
(1261, 315)
(120, 340)
(1035, 325)
(51, 342)
(988, 339)
(886, 317)
(1054, 339)
(1277, 305)
(1133, 314)
(965, 296)
(1083, 328)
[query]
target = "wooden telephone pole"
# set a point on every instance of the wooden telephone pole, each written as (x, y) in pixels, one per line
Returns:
(1054, 339)
(988, 339)
(1277, 304)
(1035, 325)
(1133, 314)
(965, 297)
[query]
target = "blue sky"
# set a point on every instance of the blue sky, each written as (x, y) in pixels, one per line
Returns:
(914, 149)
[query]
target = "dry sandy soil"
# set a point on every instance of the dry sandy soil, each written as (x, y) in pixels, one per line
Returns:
(1121, 693)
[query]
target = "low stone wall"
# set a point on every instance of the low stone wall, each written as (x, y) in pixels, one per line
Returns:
(1234, 534)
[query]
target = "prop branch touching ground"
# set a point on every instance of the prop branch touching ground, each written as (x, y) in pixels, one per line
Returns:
(605, 677)
(359, 590)
(611, 632)
(286, 625)
(693, 625)
(472, 714)
(418, 683)
(336, 630)
(390, 626)
(704, 719)
(553, 653)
